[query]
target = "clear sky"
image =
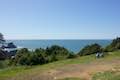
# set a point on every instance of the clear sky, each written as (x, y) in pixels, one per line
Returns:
(60, 19)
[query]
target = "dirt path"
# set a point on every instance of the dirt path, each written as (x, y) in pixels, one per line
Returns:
(84, 71)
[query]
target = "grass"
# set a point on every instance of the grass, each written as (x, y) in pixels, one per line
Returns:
(108, 75)
(3, 64)
(13, 71)
(71, 79)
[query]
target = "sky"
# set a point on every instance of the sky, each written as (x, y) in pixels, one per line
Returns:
(60, 19)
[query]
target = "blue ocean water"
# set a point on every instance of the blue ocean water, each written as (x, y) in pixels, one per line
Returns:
(72, 45)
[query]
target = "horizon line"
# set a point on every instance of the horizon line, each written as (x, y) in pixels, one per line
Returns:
(65, 39)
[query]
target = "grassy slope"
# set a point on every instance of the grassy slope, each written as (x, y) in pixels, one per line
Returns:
(13, 71)
(107, 75)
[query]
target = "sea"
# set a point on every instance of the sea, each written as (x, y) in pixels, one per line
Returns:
(72, 45)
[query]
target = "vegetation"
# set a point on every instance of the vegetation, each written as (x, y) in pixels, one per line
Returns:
(56, 53)
(6, 48)
(1, 38)
(107, 75)
(70, 79)
(90, 49)
(4, 64)
(41, 56)
(26, 70)
(115, 45)
(3, 55)
(24, 59)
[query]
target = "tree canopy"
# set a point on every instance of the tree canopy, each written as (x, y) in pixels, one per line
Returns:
(90, 49)
(40, 56)
(1, 38)
(115, 45)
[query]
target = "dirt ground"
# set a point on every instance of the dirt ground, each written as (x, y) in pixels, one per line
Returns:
(84, 71)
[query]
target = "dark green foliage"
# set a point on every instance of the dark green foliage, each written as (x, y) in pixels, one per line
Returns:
(40, 56)
(90, 49)
(3, 55)
(57, 52)
(24, 60)
(4, 63)
(22, 57)
(25, 57)
(72, 55)
(37, 58)
(2, 38)
(115, 45)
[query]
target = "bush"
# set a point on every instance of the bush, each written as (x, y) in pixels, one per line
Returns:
(90, 49)
(37, 58)
(115, 45)
(72, 55)
(21, 57)
(57, 52)
(3, 55)
(4, 63)
(40, 56)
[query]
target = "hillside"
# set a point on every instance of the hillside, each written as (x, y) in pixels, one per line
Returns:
(82, 68)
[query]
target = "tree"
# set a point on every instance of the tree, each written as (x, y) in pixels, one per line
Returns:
(90, 49)
(37, 58)
(24, 60)
(115, 45)
(72, 55)
(3, 55)
(56, 52)
(41, 56)
(22, 56)
(25, 57)
(1, 38)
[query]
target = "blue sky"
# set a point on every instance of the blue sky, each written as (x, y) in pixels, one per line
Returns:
(60, 19)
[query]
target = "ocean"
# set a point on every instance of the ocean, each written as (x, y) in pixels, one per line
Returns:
(72, 45)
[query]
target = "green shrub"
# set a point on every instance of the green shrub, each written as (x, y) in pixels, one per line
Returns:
(115, 45)
(4, 63)
(90, 49)
(57, 52)
(71, 79)
(40, 56)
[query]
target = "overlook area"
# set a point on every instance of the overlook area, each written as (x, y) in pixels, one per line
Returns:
(92, 62)
(82, 68)
(59, 39)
